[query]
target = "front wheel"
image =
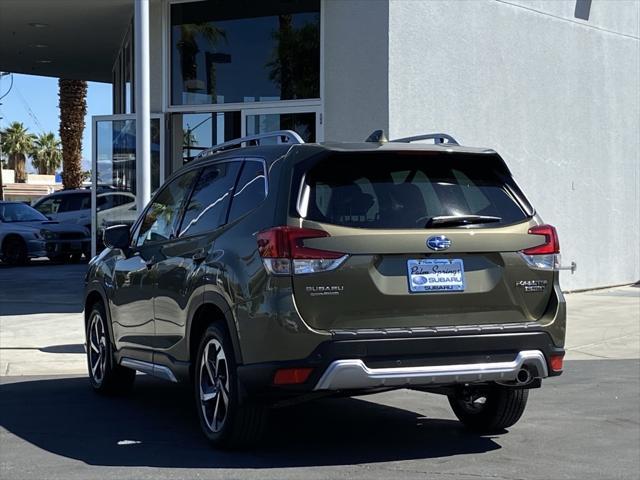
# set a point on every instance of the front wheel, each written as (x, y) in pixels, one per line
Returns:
(14, 251)
(105, 375)
(489, 409)
(225, 420)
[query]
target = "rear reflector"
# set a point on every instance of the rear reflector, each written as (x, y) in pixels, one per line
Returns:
(291, 376)
(557, 362)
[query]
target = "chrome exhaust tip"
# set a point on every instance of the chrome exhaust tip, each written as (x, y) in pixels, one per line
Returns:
(524, 377)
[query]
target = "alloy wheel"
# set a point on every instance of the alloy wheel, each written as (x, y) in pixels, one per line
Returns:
(214, 385)
(97, 348)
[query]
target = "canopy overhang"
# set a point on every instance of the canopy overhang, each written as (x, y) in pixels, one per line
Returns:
(76, 39)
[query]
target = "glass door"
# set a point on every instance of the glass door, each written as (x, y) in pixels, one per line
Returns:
(305, 121)
(113, 171)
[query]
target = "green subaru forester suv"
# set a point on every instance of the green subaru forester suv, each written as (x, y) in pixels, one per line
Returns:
(269, 272)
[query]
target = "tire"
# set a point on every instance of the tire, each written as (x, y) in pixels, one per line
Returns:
(224, 419)
(14, 251)
(75, 257)
(105, 376)
(502, 408)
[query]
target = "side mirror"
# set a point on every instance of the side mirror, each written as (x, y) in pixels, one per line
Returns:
(117, 237)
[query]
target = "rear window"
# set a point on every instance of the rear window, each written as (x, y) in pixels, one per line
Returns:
(407, 190)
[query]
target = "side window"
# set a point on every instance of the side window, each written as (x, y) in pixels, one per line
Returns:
(104, 202)
(74, 202)
(159, 219)
(250, 191)
(119, 200)
(49, 206)
(207, 208)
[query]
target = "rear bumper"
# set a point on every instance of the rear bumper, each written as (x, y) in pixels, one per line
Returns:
(354, 374)
(374, 363)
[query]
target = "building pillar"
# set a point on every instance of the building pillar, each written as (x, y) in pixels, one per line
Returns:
(142, 104)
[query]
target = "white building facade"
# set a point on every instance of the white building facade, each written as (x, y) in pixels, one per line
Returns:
(552, 85)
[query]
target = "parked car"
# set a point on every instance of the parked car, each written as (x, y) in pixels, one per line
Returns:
(74, 206)
(269, 275)
(26, 233)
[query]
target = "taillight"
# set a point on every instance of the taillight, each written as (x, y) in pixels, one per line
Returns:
(547, 255)
(551, 244)
(282, 247)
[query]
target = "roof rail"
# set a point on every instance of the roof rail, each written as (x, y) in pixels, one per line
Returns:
(289, 136)
(436, 137)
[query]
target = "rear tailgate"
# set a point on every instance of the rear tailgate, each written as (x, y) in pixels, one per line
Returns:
(372, 288)
(376, 211)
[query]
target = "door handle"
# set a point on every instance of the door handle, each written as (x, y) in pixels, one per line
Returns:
(199, 256)
(150, 263)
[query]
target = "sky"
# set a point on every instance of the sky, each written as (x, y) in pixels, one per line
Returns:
(33, 100)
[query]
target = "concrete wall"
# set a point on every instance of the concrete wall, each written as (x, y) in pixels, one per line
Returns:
(356, 56)
(555, 95)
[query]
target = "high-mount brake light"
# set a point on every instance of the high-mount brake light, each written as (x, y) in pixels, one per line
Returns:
(282, 248)
(547, 255)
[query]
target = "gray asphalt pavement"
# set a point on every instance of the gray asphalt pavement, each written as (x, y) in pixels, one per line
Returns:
(583, 425)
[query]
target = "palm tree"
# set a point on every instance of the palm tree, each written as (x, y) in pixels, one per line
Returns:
(73, 108)
(17, 143)
(295, 62)
(188, 48)
(46, 155)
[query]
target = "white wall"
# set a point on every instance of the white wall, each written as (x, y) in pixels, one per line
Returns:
(556, 96)
(356, 92)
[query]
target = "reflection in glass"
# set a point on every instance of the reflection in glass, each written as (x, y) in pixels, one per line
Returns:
(207, 208)
(221, 55)
(250, 191)
(116, 172)
(304, 124)
(160, 220)
(203, 130)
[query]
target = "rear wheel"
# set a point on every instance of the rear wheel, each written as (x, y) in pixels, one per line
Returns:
(14, 251)
(489, 409)
(225, 420)
(105, 375)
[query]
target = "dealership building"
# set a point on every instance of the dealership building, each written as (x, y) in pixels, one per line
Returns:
(553, 86)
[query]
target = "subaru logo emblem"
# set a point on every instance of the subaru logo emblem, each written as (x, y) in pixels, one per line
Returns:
(439, 242)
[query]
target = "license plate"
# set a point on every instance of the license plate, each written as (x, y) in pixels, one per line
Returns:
(435, 275)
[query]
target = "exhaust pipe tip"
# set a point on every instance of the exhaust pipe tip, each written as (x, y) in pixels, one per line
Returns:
(523, 377)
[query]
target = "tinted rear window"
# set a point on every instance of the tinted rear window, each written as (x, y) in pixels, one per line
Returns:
(398, 190)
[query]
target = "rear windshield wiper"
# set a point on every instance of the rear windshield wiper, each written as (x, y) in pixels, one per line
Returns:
(460, 220)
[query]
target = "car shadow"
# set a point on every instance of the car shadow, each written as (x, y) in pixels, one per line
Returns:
(156, 425)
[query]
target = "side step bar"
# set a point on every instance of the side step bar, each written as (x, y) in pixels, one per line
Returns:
(159, 371)
(354, 374)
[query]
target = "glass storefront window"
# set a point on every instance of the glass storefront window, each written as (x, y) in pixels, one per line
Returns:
(304, 124)
(244, 51)
(116, 172)
(203, 130)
